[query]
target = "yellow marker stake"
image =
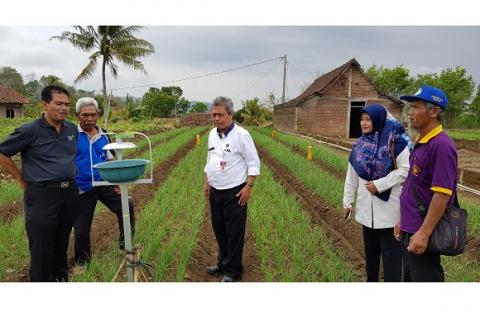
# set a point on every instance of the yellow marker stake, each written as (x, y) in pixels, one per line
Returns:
(197, 139)
(309, 153)
(274, 134)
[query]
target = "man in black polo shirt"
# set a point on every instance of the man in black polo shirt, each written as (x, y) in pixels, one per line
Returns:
(47, 147)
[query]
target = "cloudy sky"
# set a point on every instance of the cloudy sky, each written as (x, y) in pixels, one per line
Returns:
(183, 51)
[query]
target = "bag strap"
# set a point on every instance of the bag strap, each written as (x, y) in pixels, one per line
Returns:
(418, 201)
(392, 153)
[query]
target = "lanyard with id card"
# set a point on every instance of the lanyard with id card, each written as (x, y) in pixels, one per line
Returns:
(223, 162)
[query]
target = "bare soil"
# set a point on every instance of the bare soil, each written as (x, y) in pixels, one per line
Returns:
(206, 254)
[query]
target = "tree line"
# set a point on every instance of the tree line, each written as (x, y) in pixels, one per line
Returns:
(464, 99)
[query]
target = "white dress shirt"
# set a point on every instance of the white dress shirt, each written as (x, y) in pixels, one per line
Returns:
(370, 210)
(231, 158)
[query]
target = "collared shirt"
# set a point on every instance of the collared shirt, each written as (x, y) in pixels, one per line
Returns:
(84, 177)
(47, 155)
(433, 168)
(231, 158)
(226, 131)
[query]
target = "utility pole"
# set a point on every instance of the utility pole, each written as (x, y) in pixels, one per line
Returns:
(284, 76)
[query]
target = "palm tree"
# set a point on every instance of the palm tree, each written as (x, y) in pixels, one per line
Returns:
(253, 114)
(109, 43)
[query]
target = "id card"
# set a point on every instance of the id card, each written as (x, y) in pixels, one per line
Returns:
(223, 164)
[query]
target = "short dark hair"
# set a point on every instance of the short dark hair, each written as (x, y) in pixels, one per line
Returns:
(48, 91)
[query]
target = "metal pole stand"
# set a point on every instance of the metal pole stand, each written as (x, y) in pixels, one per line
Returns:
(134, 266)
(132, 262)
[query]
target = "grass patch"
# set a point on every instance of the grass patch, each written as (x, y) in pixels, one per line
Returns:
(290, 248)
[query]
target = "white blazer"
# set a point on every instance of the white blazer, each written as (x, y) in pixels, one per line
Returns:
(370, 210)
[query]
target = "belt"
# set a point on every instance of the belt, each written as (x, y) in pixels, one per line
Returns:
(54, 184)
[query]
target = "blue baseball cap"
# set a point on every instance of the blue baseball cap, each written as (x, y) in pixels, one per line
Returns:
(429, 94)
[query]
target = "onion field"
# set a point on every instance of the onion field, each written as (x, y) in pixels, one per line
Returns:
(295, 231)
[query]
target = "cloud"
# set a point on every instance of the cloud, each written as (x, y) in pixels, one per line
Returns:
(183, 51)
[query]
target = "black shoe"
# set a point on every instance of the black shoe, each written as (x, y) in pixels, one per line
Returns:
(213, 270)
(227, 279)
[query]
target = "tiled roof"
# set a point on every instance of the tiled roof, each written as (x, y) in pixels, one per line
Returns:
(11, 96)
(325, 80)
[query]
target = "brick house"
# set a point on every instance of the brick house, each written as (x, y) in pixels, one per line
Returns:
(196, 119)
(330, 106)
(11, 103)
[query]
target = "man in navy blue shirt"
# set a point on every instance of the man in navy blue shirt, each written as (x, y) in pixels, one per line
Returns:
(47, 147)
(87, 115)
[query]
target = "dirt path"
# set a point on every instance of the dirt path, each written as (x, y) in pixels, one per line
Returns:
(206, 253)
(104, 230)
(347, 239)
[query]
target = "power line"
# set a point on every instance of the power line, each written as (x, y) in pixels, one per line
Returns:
(257, 81)
(298, 75)
(196, 77)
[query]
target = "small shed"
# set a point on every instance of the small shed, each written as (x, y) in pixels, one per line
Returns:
(330, 106)
(11, 103)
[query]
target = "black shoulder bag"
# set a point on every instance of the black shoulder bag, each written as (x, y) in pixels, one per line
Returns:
(450, 234)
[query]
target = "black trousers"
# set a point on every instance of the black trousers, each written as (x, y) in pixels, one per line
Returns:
(49, 216)
(83, 223)
(229, 221)
(382, 243)
(426, 267)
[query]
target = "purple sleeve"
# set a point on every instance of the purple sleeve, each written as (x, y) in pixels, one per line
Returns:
(443, 162)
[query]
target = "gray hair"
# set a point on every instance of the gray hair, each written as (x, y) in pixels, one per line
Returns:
(225, 101)
(431, 106)
(84, 102)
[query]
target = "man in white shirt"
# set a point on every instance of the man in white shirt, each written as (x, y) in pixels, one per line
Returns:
(230, 172)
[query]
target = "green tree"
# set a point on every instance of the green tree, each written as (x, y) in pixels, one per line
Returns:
(51, 80)
(109, 44)
(131, 109)
(253, 114)
(457, 85)
(183, 105)
(159, 103)
(475, 107)
(199, 107)
(173, 91)
(33, 90)
(392, 81)
(10, 77)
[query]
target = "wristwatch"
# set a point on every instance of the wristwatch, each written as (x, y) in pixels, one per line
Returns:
(250, 184)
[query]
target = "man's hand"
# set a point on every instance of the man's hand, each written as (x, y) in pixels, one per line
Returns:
(396, 231)
(418, 243)
(371, 187)
(206, 191)
(244, 195)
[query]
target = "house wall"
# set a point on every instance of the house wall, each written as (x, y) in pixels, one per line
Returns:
(328, 114)
(18, 108)
(325, 116)
(284, 118)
